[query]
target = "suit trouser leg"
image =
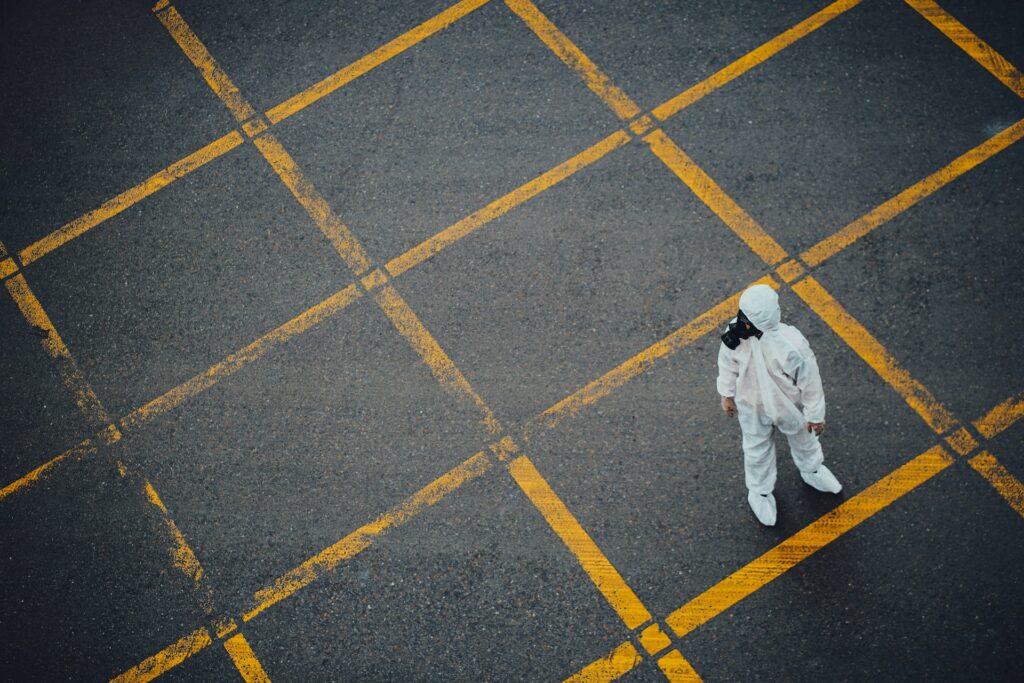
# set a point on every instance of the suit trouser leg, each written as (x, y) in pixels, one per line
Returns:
(805, 448)
(759, 462)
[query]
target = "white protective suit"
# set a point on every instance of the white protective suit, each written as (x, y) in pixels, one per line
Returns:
(776, 384)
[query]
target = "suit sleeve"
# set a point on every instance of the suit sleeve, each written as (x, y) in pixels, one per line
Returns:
(728, 371)
(808, 380)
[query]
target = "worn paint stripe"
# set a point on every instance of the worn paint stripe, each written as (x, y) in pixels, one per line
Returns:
(336, 232)
(832, 245)
(607, 579)
(1000, 418)
(499, 207)
(706, 322)
(573, 57)
(441, 366)
(130, 197)
(677, 669)
(694, 177)
(236, 361)
(752, 59)
(166, 659)
(1007, 485)
(7, 268)
(978, 49)
(76, 452)
(83, 395)
(372, 60)
(360, 539)
(182, 556)
(197, 53)
(808, 541)
(875, 355)
(245, 660)
(612, 666)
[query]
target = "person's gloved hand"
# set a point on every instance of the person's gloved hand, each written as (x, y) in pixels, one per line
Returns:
(816, 427)
(729, 406)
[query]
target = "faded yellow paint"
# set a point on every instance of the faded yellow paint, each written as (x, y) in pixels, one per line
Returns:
(961, 441)
(752, 59)
(130, 197)
(790, 270)
(595, 79)
(832, 245)
(571, 405)
(978, 49)
(1000, 418)
(360, 539)
(76, 452)
(503, 205)
(245, 660)
(166, 659)
(7, 268)
(694, 177)
(85, 398)
(607, 579)
(441, 366)
(808, 541)
(182, 556)
(336, 232)
(677, 669)
(653, 639)
(1007, 485)
(197, 53)
(875, 355)
(236, 361)
(612, 666)
(372, 60)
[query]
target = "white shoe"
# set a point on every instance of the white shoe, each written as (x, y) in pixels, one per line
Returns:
(763, 507)
(823, 480)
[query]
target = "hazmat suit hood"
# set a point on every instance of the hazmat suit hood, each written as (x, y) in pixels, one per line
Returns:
(760, 304)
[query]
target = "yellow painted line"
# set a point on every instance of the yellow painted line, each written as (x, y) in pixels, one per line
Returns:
(130, 197)
(978, 49)
(694, 177)
(183, 557)
(360, 539)
(677, 669)
(85, 398)
(197, 53)
(499, 207)
(441, 366)
(314, 203)
(245, 660)
(1007, 485)
(752, 59)
(707, 322)
(653, 639)
(573, 57)
(372, 60)
(236, 361)
(997, 420)
(832, 245)
(612, 666)
(166, 659)
(7, 268)
(875, 355)
(808, 541)
(611, 584)
(76, 452)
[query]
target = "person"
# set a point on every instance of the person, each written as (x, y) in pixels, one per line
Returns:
(768, 377)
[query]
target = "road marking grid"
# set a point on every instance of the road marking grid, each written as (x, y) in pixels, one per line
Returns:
(792, 271)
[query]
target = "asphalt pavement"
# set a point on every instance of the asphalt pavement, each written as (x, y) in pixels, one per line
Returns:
(378, 342)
